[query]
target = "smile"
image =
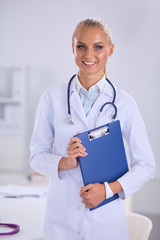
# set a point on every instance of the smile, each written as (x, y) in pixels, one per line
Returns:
(89, 63)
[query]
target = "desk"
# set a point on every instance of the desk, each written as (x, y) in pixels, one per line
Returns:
(26, 212)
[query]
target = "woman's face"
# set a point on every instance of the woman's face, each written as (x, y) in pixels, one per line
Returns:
(91, 50)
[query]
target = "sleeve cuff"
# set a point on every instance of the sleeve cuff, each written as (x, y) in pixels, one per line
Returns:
(122, 194)
(46, 164)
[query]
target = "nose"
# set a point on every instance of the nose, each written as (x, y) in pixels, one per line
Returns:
(89, 53)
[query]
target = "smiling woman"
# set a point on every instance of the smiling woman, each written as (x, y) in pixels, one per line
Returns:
(92, 45)
(55, 152)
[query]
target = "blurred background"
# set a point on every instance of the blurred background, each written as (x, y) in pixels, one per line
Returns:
(36, 53)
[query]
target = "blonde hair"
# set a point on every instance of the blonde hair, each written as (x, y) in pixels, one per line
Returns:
(94, 22)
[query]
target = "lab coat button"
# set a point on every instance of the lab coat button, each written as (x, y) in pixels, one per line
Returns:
(79, 207)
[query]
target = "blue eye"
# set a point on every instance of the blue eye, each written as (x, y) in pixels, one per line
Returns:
(98, 47)
(80, 46)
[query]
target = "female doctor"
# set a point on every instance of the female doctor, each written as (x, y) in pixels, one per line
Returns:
(54, 150)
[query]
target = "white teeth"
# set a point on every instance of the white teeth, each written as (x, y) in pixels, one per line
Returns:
(89, 63)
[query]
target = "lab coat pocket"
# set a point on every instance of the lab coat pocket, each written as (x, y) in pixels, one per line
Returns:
(109, 212)
(57, 198)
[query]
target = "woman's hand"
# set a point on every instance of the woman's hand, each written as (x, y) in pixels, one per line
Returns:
(93, 194)
(74, 150)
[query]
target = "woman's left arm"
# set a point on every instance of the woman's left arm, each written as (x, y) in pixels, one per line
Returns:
(142, 164)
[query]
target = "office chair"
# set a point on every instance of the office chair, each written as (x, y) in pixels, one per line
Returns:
(139, 226)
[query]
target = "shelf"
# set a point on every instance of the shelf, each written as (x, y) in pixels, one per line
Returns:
(13, 152)
(9, 101)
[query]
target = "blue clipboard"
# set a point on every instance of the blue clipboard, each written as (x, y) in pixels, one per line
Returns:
(106, 159)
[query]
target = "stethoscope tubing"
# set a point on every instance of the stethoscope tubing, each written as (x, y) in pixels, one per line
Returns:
(10, 225)
(115, 108)
(101, 109)
(114, 90)
(68, 92)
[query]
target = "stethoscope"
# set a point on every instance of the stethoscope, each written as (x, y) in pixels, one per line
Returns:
(16, 228)
(113, 116)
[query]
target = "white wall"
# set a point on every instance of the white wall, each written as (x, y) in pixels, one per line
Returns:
(38, 33)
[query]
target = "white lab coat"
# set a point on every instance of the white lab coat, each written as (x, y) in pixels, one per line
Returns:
(66, 217)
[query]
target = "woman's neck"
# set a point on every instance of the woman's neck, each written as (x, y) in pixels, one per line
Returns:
(88, 80)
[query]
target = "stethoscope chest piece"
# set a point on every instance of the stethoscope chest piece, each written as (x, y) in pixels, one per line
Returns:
(70, 120)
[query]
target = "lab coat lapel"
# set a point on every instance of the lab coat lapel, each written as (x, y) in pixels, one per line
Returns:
(104, 118)
(77, 110)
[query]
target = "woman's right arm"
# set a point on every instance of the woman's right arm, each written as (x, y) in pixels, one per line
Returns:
(42, 158)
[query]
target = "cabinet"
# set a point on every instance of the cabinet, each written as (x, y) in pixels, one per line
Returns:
(12, 118)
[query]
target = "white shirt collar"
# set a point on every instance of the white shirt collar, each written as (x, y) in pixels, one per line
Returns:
(100, 84)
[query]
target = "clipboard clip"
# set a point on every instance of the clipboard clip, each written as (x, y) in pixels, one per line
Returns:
(97, 133)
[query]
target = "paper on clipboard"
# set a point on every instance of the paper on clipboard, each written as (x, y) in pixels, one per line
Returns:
(98, 132)
(22, 191)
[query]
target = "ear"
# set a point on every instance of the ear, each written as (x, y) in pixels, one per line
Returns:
(111, 49)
